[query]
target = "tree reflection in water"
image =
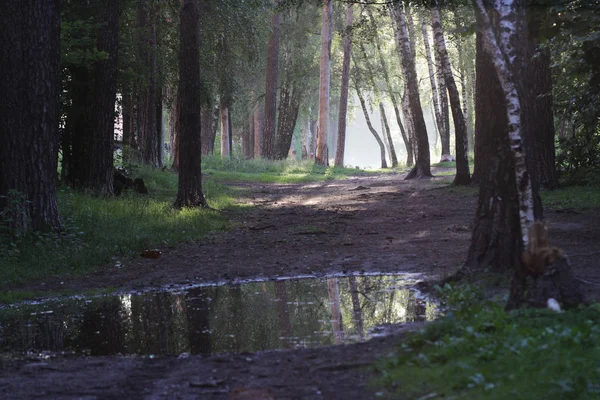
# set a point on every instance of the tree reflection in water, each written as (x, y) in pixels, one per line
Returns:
(216, 319)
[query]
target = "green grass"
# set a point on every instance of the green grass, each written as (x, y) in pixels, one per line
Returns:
(572, 197)
(102, 231)
(284, 171)
(481, 352)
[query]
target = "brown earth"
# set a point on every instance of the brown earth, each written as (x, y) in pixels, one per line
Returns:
(371, 224)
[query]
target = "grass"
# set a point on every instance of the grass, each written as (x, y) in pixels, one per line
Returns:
(572, 197)
(285, 171)
(480, 352)
(102, 231)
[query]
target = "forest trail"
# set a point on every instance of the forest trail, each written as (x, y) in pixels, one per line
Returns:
(363, 224)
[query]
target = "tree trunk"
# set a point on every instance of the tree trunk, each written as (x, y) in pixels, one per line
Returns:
(91, 129)
(541, 116)
(460, 127)
(289, 105)
(371, 129)
(29, 114)
(225, 150)
(422, 167)
(189, 192)
(434, 90)
(127, 114)
(388, 135)
(259, 117)
(209, 122)
(322, 156)
(174, 130)
(444, 112)
(147, 141)
(270, 113)
(343, 107)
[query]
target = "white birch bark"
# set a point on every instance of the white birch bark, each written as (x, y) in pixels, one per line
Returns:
(503, 54)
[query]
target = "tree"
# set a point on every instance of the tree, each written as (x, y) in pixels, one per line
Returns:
(506, 206)
(322, 156)
(88, 135)
(148, 142)
(422, 167)
(460, 126)
(29, 115)
(341, 139)
(271, 89)
(434, 90)
(189, 192)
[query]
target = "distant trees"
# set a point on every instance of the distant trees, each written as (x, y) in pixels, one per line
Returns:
(29, 115)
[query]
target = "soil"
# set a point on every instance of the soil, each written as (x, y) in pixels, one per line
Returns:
(363, 224)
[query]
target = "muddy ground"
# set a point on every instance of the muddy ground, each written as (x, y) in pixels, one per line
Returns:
(371, 224)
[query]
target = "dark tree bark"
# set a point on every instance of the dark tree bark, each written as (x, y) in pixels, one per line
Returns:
(128, 113)
(460, 127)
(497, 240)
(29, 114)
(147, 140)
(444, 112)
(495, 243)
(160, 127)
(422, 167)
(540, 116)
(189, 192)
(268, 141)
(343, 107)
(89, 133)
(289, 105)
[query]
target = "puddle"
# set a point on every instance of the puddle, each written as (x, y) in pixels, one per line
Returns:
(235, 318)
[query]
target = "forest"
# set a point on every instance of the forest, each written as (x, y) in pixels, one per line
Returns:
(272, 199)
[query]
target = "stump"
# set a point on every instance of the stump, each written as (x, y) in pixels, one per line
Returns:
(556, 282)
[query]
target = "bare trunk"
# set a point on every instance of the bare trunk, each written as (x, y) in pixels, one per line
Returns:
(189, 192)
(341, 139)
(174, 131)
(388, 135)
(259, 113)
(289, 105)
(460, 127)
(371, 129)
(29, 114)
(270, 114)
(209, 123)
(225, 150)
(432, 80)
(322, 156)
(422, 167)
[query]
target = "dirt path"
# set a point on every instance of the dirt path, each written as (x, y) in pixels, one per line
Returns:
(370, 224)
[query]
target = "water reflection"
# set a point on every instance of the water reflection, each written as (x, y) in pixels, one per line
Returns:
(217, 319)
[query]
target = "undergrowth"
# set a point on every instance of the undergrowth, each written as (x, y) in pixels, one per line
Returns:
(477, 351)
(100, 231)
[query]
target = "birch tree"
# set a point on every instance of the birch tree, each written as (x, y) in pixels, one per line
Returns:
(390, 92)
(422, 167)
(322, 156)
(341, 139)
(460, 126)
